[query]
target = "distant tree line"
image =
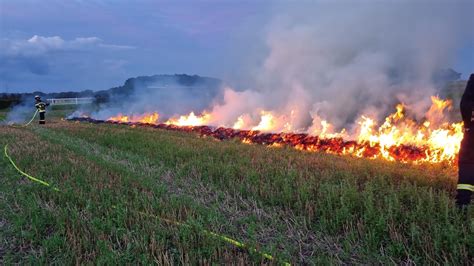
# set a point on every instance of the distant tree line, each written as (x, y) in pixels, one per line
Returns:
(447, 82)
(104, 96)
(10, 99)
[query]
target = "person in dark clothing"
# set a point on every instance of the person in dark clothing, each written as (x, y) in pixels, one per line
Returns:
(465, 185)
(41, 107)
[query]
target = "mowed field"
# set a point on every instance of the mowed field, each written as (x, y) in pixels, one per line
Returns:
(123, 189)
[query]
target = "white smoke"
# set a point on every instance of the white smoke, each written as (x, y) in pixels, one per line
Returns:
(330, 61)
(338, 60)
(170, 95)
(21, 113)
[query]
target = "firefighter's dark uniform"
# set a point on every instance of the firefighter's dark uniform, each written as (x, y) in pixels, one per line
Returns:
(466, 154)
(41, 106)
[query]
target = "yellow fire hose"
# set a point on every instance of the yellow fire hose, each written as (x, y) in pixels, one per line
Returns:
(29, 122)
(25, 174)
(209, 233)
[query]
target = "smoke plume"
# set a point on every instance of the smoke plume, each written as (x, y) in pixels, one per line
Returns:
(335, 61)
(22, 112)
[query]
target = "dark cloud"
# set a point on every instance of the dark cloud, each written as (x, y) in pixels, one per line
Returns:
(37, 66)
(183, 36)
(44, 56)
(213, 38)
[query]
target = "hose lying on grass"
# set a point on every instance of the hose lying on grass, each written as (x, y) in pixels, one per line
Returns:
(32, 178)
(29, 122)
(206, 232)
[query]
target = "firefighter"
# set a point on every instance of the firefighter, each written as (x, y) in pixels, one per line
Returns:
(41, 106)
(466, 153)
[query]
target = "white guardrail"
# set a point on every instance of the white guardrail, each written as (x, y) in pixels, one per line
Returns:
(66, 101)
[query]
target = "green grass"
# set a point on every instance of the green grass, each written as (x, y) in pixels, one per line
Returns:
(302, 207)
(3, 114)
(73, 107)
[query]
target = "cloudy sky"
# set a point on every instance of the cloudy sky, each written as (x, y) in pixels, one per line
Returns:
(58, 45)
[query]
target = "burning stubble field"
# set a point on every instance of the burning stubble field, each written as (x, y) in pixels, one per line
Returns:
(120, 186)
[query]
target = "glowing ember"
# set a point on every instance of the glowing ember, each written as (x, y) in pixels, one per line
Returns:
(398, 138)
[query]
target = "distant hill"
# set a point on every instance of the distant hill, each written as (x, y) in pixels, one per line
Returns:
(206, 85)
(445, 75)
(454, 90)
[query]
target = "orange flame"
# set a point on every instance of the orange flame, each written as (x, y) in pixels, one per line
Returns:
(145, 118)
(190, 120)
(267, 122)
(442, 142)
(398, 138)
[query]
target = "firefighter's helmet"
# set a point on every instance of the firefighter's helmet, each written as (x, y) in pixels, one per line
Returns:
(37, 97)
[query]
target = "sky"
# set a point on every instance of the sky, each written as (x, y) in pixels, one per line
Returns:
(67, 45)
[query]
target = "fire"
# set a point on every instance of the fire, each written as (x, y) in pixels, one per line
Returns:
(398, 138)
(442, 143)
(149, 119)
(267, 122)
(145, 118)
(190, 120)
(239, 124)
(119, 118)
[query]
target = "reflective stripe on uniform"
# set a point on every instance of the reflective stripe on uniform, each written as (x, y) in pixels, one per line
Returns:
(41, 106)
(465, 187)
